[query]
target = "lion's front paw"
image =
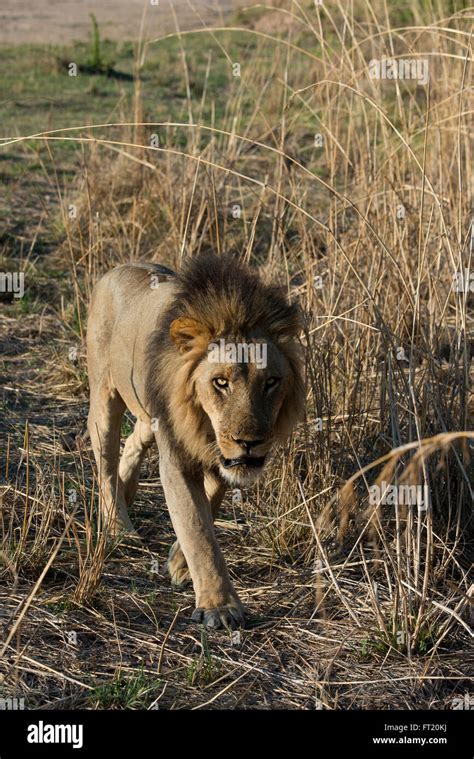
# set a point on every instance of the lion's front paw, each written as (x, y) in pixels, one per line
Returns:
(229, 617)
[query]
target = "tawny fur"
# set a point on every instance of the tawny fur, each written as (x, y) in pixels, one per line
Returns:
(148, 340)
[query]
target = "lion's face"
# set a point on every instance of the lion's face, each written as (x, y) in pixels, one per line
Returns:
(232, 398)
(241, 386)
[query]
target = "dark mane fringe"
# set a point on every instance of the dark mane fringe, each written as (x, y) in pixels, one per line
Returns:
(229, 298)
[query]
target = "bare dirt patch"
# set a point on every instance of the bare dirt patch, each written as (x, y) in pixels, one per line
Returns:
(57, 23)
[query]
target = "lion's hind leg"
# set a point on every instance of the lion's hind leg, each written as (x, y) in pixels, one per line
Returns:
(133, 454)
(104, 422)
(178, 567)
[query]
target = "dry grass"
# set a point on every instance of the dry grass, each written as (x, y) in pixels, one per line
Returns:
(354, 603)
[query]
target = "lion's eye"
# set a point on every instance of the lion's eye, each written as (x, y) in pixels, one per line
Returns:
(220, 382)
(272, 381)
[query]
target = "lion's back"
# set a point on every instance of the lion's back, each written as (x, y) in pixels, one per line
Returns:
(125, 308)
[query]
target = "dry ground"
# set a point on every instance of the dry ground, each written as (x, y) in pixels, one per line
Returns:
(53, 23)
(132, 643)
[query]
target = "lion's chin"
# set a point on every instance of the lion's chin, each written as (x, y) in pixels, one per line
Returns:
(238, 477)
(243, 471)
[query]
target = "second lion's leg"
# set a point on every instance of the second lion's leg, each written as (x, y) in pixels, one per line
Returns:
(177, 565)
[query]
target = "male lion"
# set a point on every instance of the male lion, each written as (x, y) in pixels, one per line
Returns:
(179, 351)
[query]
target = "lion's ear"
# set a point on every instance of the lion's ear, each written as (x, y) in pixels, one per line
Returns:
(288, 324)
(186, 333)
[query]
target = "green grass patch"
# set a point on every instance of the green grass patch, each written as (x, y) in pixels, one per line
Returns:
(132, 692)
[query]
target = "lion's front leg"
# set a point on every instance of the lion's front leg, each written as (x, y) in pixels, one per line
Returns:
(177, 566)
(217, 603)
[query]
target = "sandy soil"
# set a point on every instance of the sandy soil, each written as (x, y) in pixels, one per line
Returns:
(60, 21)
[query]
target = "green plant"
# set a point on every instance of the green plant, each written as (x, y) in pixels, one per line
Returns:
(203, 669)
(133, 692)
(96, 59)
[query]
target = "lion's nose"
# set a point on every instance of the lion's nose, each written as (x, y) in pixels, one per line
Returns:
(247, 444)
